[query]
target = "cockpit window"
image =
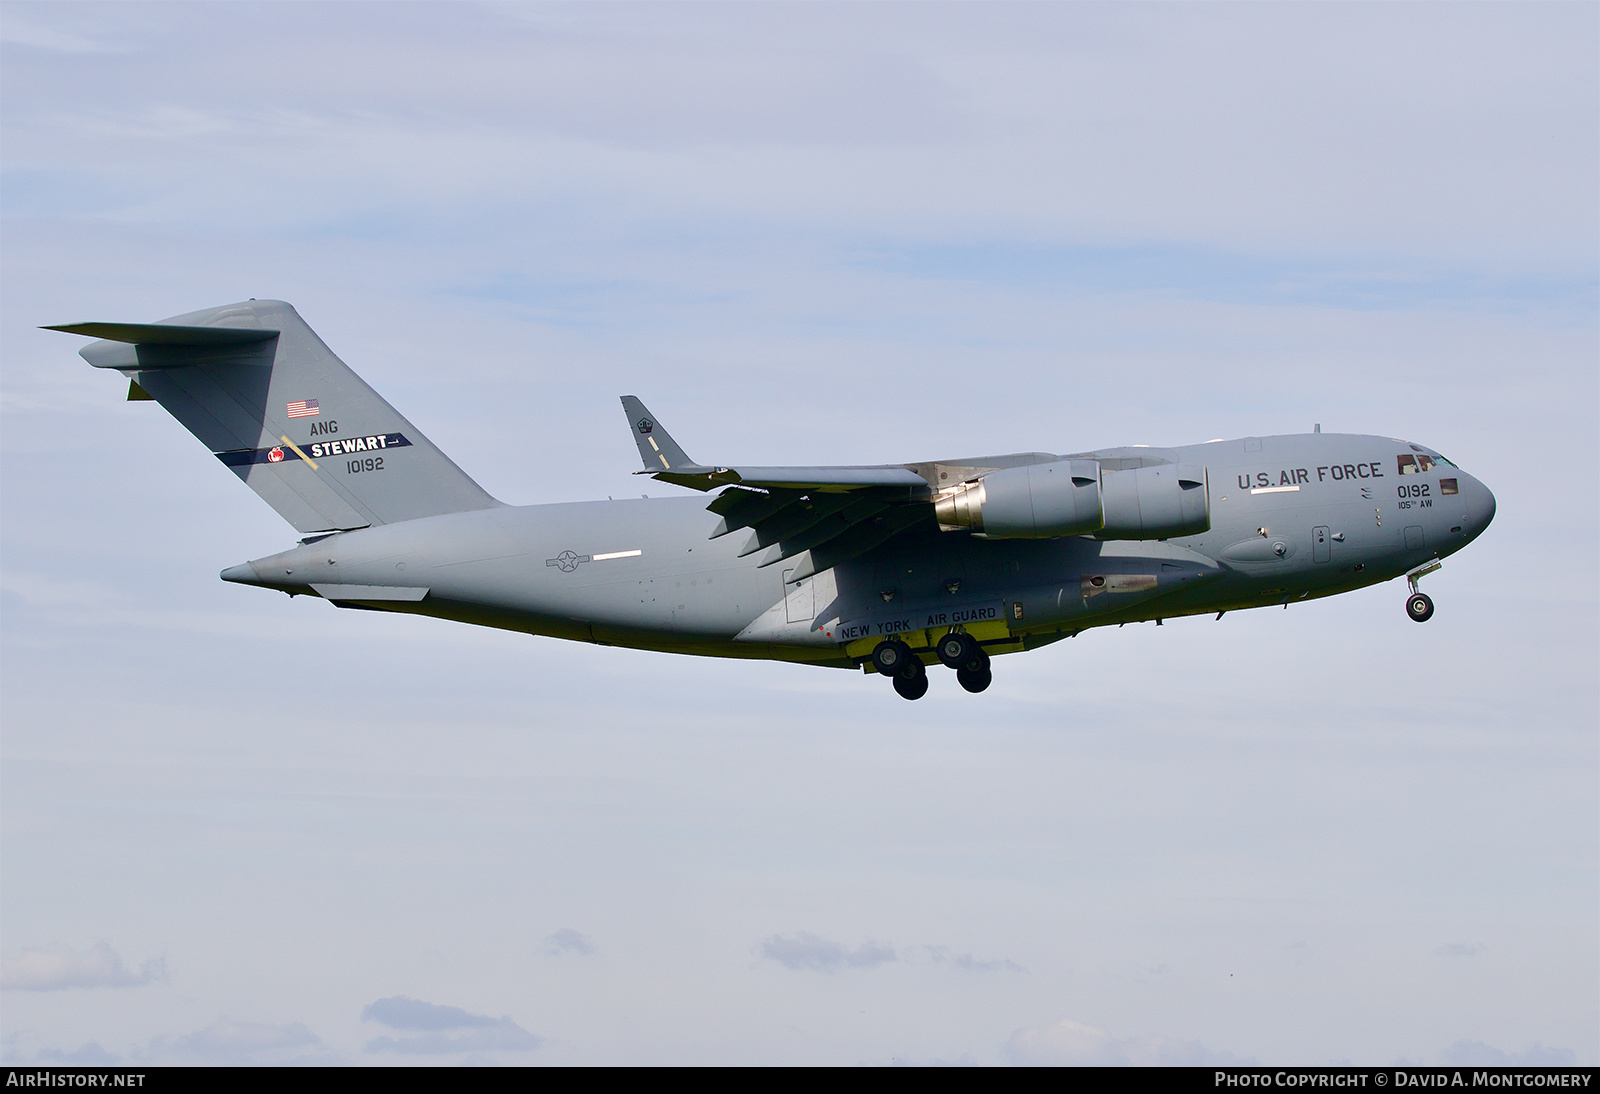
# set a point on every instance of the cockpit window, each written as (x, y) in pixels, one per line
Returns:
(1423, 461)
(1449, 486)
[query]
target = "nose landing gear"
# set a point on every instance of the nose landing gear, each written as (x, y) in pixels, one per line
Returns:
(1419, 605)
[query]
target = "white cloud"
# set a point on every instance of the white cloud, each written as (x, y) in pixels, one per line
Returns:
(804, 950)
(808, 951)
(1478, 1054)
(941, 955)
(1070, 1043)
(85, 1055)
(230, 1041)
(18, 31)
(567, 940)
(504, 1036)
(24, 1048)
(225, 1041)
(401, 1012)
(444, 1029)
(1085, 121)
(60, 967)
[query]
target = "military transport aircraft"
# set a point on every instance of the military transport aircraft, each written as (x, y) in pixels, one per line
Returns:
(887, 568)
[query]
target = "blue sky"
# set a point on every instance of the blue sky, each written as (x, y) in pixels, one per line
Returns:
(237, 828)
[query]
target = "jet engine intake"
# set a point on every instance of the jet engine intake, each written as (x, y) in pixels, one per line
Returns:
(1040, 501)
(1161, 502)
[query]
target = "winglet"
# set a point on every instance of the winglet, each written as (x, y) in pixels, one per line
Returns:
(656, 446)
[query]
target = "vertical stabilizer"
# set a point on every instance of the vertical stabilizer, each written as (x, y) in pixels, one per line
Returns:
(259, 389)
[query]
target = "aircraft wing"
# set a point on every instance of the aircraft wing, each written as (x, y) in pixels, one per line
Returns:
(828, 515)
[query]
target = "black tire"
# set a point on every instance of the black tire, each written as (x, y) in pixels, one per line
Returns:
(975, 680)
(956, 650)
(912, 686)
(892, 657)
(912, 669)
(1419, 606)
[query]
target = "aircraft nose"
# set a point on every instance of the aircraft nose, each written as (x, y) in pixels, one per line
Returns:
(244, 574)
(1479, 504)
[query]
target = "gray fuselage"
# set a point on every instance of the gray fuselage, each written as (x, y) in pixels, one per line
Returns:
(1292, 517)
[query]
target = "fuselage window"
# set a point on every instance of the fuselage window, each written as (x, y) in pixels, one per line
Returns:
(1448, 486)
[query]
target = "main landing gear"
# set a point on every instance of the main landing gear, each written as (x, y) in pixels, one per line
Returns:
(894, 659)
(956, 650)
(1419, 605)
(913, 685)
(961, 652)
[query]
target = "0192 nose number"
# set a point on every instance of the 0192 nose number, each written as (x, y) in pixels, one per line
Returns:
(1414, 490)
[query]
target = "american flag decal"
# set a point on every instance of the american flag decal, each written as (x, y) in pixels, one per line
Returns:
(304, 408)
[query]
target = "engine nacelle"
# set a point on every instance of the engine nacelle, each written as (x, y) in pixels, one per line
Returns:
(1036, 502)
(1074, 498)
(1161, 502)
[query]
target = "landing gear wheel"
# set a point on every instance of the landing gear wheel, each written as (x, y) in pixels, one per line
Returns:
(893, 657)
(1419, 606)
(956, 650)
(974, 680)
(912, 686)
